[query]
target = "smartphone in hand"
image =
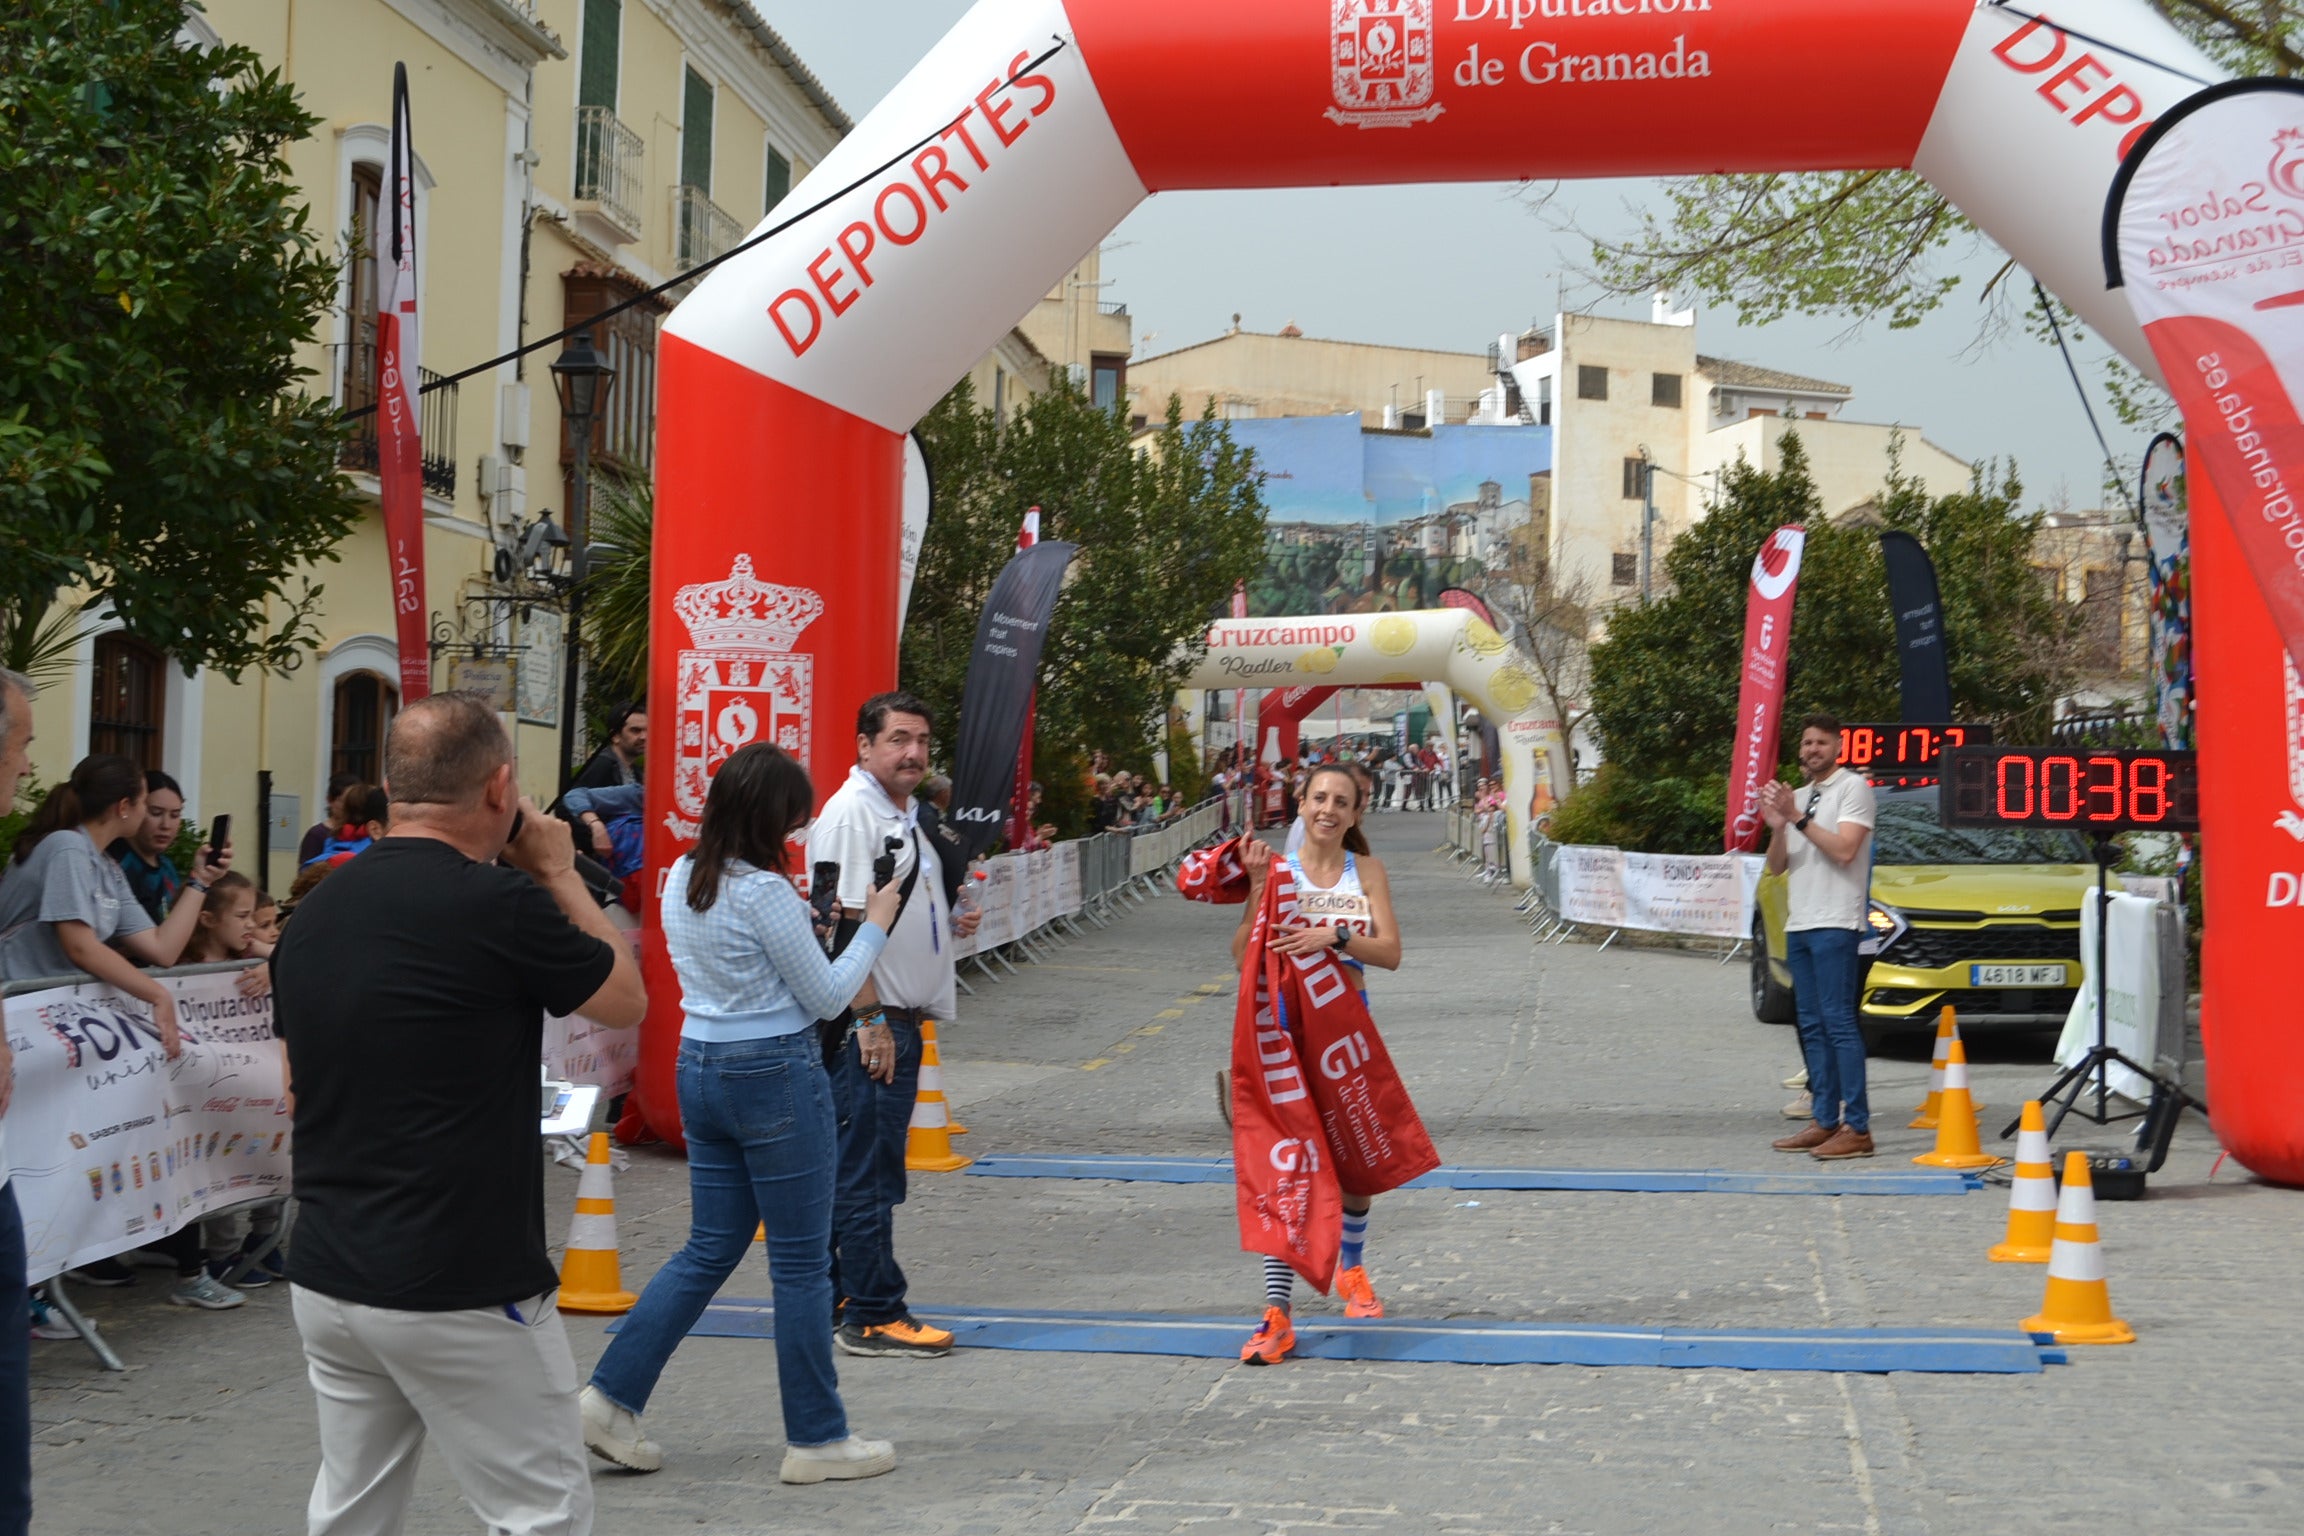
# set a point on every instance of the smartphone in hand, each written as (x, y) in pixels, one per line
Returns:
(219, 836)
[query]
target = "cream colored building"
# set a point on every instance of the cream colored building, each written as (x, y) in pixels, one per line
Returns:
(1622, 395)
(570, 153)
(1253, 374)
(2094, 563)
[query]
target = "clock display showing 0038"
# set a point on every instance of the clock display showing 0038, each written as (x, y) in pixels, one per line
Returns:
(2092, 791)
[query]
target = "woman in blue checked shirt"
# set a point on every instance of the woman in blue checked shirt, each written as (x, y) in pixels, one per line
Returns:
(756, 1104)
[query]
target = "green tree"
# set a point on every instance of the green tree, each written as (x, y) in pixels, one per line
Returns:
(1665, 680)
(1163, 535)
(157, 451)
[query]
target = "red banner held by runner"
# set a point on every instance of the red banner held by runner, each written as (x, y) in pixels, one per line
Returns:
(399, 450)
(1760, 700)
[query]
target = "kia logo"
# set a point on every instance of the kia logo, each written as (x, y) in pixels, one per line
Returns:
(1344, 1056)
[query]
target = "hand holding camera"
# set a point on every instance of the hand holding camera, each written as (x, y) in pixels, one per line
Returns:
(881, 907)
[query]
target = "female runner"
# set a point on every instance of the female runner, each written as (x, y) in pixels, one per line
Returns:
(1344, 902)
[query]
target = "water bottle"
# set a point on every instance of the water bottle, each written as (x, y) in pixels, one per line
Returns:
(967, 902)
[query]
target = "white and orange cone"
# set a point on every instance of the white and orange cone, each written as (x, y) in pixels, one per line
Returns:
(928, 1039)
(1956, 1145)
(928, 1145)
(2078, 1309)
(1947, 1031)
(590, 1277)
(2032, 1197)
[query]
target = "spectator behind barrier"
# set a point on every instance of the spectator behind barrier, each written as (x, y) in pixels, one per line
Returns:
(622, 757)
(143, 853)
(317, 835)
(66, 907)
(367, 812)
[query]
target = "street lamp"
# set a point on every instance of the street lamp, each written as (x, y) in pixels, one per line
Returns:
(582, 378)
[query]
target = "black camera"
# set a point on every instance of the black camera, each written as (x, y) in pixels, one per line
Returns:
(884, 867)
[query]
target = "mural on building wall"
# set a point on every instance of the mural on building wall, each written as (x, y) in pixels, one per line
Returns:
(1367, 521)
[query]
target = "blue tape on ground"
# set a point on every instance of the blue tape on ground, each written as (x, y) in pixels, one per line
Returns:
(1955, 1350)
(1835, 1180)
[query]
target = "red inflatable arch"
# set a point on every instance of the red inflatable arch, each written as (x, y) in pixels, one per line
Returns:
(790, 375)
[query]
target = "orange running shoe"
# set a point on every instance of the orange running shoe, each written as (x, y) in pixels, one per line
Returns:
(1273, 1338)
(1359, 1296)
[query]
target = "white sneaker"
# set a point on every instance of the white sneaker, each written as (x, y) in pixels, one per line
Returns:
(849, 1458)
(613, 1433)
(1800, 1109)
(1798, 1079)
(206, 1292)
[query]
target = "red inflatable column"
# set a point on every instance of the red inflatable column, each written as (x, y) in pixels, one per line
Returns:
(2251, 738)
(778, 525)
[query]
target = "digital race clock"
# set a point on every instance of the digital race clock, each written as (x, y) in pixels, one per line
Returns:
(2089, 791)
(1904, 753)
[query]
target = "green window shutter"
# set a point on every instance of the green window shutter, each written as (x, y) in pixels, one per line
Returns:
(779, 181)
(696, 133)
(603, 33)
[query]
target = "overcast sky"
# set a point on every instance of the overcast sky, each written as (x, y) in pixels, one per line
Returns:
(1453, 266)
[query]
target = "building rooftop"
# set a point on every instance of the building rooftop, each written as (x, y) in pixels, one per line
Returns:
(1737, 375)
(802, 76)
(1294, 334)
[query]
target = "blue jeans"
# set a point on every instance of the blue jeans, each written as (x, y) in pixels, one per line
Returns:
(15, 1373)
(875, 1125)
(758, 1115)
(1825, 972)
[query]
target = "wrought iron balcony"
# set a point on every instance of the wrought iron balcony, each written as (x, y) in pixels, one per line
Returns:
(435, 417)
(608, 170)
(706, 229)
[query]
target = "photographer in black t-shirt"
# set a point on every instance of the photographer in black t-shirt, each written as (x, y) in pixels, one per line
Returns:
(412, 989)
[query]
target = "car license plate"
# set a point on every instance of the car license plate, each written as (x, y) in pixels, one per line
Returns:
(2016, 975)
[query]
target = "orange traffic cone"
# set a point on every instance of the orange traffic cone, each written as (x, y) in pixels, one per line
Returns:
(1947, 1031)
(2032, 1197)
(589, 1278)
(928, 1039)
(1956, 1120)
(2079, 1305)
(928, 1146)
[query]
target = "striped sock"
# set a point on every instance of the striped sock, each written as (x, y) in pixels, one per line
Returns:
(1279, 1283)
(1355, 1240)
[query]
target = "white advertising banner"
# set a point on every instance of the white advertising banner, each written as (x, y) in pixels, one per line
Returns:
(1592, 885)
(112, 1145)
(576, 1050)
(1701, 895)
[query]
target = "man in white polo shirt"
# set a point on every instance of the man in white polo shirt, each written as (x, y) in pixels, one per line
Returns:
(878, 1072)
(1820, 839)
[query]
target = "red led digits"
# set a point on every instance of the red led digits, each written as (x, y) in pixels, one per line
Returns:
(2016, 809)
(2060, 788)
(2147, 790)
(2105, 791)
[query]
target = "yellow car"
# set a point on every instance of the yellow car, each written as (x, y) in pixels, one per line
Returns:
(1987, 920)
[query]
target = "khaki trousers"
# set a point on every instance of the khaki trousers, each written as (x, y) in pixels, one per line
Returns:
(499, 1394)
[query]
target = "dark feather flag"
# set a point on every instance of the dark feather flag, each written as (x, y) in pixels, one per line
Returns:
(1001, 671)
(1927, 674)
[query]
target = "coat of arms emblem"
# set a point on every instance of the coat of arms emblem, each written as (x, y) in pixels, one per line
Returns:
(739, 681)
(1380, 63)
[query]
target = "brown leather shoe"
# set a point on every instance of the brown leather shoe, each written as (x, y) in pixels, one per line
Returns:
(1808, 1140)
(1844, 1143)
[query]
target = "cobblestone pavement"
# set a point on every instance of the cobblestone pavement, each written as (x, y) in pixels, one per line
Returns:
(1517, 1054)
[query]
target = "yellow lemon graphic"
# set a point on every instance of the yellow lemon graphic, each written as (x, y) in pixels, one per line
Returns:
(1483, 640)
(1394, 636)
(1511, 689)
(1320, 660)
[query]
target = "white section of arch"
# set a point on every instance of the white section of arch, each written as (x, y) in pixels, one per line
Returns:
(2027, 134)
(1009, 229)
(1447, 647)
